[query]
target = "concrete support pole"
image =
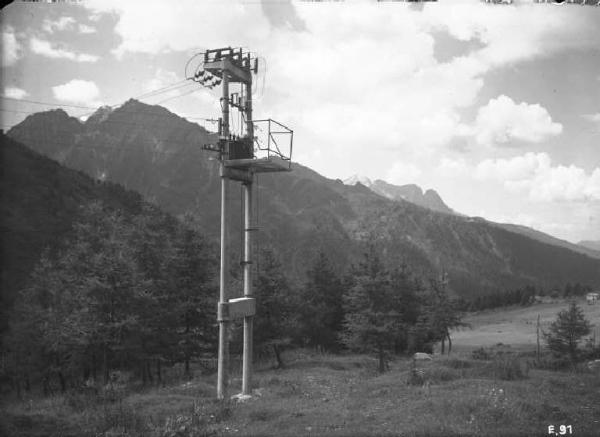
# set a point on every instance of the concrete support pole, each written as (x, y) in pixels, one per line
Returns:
(223, 357)
(249, 123)
(248, 321)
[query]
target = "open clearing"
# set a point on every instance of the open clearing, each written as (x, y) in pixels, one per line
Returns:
(515, 326)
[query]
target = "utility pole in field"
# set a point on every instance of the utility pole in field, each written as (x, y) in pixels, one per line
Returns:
(239, 161)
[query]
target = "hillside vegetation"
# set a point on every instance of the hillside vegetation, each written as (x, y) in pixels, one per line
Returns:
(40, 200)
(150, 150)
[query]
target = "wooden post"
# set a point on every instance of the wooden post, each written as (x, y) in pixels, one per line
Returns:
(537, 329)
(223, 357)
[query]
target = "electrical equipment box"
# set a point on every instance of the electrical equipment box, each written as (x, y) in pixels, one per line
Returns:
(240, 149)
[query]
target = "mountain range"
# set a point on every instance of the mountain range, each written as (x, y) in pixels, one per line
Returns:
(412, 193)
(152, 151)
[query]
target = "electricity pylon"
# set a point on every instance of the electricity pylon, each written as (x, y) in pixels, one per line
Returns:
(239, 163)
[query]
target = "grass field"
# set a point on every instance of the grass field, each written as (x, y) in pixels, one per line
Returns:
(343, 395)
(515, 326)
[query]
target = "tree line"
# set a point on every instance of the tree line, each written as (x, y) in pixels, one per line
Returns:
(138, 293)
(372, 308)
(123, 291)
(521, 296)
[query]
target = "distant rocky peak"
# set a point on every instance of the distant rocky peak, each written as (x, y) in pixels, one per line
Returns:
(354, 179)
(99, 116)
(54, 120)
(411, 193)
(133, 105)
(433, 195)
(52, 114)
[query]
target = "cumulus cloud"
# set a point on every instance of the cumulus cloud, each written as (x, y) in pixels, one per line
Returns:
(15, 93)
(78, 91)
(514, 33)
(84, 28)
(153, 26)
(162, 78)
(45, 48)
(502, 121)
(63, 23)
(66, 24)
(594, 118)
(357, 76)
(512, 169)
(453, 168)
(534, 174)
(11, 49)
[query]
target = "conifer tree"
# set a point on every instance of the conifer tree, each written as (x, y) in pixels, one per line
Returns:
(320, 306)
(274, 320)
(373, 313)
(567, 330)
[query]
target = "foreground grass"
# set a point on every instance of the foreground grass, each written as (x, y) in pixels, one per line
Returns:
(333, 395)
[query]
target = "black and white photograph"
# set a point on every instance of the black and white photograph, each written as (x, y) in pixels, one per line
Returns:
(300, 218)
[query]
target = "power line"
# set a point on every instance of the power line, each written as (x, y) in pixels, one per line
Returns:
(160, 89)
(54, 106)
(37, 102)
(206, 119)
(66, 105)
(177, 85)
(168, 88)
(180, 95)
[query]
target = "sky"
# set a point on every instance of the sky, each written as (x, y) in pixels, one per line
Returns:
(495, 106)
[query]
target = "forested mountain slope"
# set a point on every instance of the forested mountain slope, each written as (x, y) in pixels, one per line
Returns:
(152, 151)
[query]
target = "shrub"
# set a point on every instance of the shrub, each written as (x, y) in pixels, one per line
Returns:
(441, 374)
(481, 354)
(457, 363)
(197, 422)
(551, 363)
(509, 368)
(416, 377)
(590, 350)
(121, 419)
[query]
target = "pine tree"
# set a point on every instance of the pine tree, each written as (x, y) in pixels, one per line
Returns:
(373, 310)
(274, 321)
(444, 314)
(49, 326)
(567, 330)
(193, 270)
(320, 306)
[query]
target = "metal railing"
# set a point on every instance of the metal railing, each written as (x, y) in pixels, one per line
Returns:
(279, 143)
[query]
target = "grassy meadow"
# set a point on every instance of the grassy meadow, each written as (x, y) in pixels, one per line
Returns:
(516, 326)
(503, 394)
